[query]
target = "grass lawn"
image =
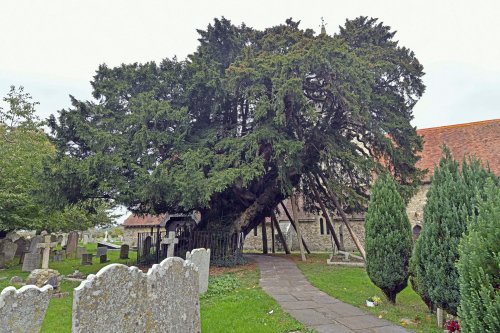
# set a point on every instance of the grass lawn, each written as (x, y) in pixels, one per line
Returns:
(352, 285)
(233, 303)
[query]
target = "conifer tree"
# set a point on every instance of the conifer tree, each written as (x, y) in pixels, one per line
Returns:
(451, 202)
(479, 267)
(388, 238)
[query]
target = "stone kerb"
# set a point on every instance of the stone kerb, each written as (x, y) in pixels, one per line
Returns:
(201, 259)
(123, 299)
(23, 310)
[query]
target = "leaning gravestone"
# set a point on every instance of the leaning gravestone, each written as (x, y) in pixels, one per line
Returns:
(201, 259)
(72, 243)
(23, 310)
(34, 244)
(124, 249)
(7, 251)
(23, 246)
(140, 302)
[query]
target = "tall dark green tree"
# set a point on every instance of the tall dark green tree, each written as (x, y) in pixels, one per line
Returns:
(479, 267)
(388, 238)
(232, 129)
(452, 201)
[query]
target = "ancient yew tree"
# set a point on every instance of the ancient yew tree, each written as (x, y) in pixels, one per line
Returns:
(251, 115)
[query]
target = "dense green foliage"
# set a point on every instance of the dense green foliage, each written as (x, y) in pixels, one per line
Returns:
(451, 201)
(24, 151)
(232, 129)
(479, 268)
(388, 238)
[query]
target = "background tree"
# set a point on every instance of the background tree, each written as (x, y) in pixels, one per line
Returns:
(388, 238)
(24, 151)
(234, 128)
(451, 201)
(479, 267)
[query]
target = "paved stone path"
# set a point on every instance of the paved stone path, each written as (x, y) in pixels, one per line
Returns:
(281, 279)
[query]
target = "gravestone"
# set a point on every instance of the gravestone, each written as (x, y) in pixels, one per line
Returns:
(124, 249)
(201, 259)
(85, 239)
(80, 250)
(42, 277)
(23, 310)
(153, 306)
(23, 246)
(31, 261)
(86, 259)
(7, 251)
(34, 244)
(72, 243)
(106, 237)
(46, 246)
(58, 256)
(101, 251)
(171, 241)
(103, 259)
(64, 239)
(146, 248)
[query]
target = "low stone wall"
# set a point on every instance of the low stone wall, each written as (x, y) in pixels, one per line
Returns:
(130, 235)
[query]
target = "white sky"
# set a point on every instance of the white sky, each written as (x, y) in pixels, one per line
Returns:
(53, 47)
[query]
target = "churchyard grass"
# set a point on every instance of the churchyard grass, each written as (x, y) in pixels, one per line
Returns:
(235, 303)
(352, 285)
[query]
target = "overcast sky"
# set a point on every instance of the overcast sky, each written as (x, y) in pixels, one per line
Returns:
(53, 47)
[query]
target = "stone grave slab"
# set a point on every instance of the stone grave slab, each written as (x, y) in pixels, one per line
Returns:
(80, 250)
(23, 310)
(140, 302)
(31, 261)
(124, 250)
(201, 259)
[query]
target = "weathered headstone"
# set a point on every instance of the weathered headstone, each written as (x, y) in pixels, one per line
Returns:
(153, 306)
(201, 259)
(23, 310)
(64, 239)
(34, 244)
(124, 249)
(80, 250)
(170, 241)
(31, 261)
(8, 249)
(146, 246)
(23, 246)
(72, 243)
(57, 256)
(103, 259)
(101, 251)
(87, 259)
(46, 246)
(85, 239)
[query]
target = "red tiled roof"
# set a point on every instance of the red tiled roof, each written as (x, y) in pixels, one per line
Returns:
(481, 139)
(143, 221)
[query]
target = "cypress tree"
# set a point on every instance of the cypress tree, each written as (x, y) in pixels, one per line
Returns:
(388, 238)
(479, 267)
(451, 202)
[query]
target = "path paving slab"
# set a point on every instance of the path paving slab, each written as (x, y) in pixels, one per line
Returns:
(281, 279)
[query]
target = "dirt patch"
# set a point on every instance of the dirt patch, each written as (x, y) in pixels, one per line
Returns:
(216, 271)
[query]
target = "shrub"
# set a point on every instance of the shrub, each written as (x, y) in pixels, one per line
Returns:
(388, 238)
(479, 268)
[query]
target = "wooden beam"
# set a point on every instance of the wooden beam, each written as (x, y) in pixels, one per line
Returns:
(274, 220)
(325, 214)
(264, 237)
(272, 238)
(295, 213)
(294, 227)
(355, 238)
